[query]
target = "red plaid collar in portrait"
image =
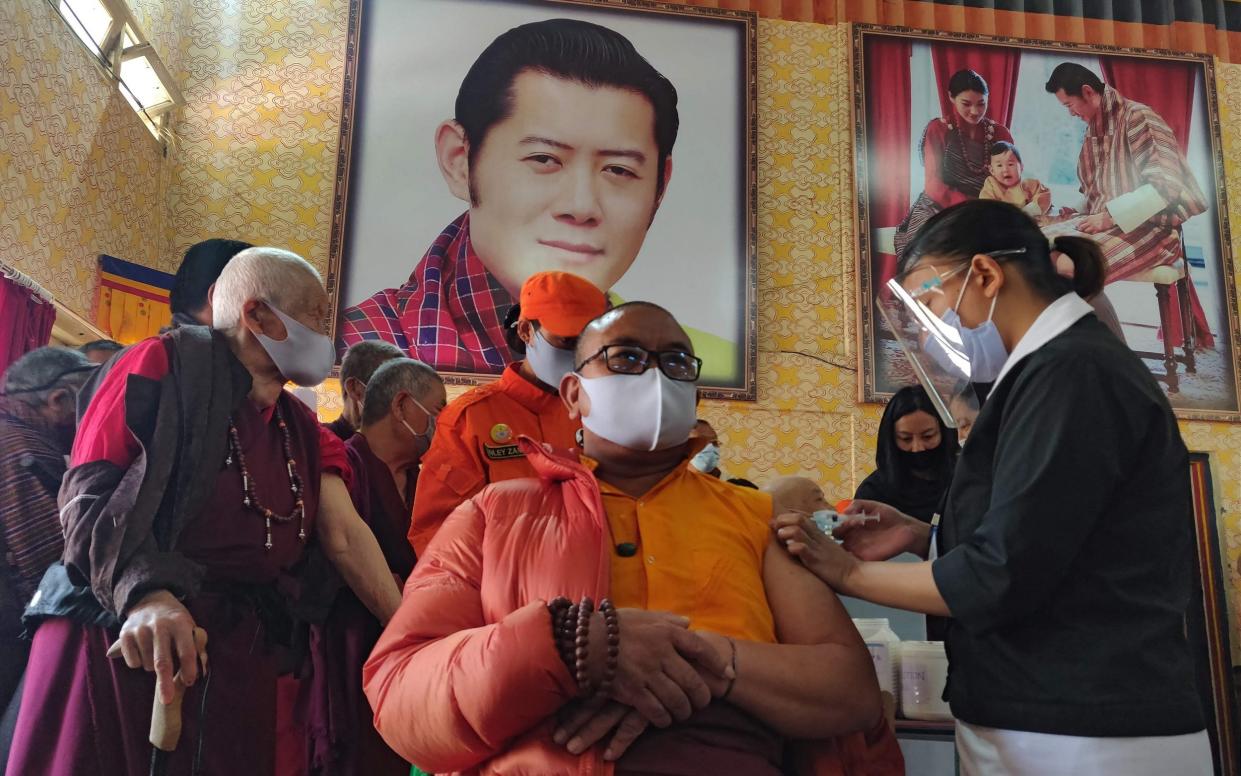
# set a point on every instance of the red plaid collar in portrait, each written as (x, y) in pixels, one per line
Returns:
(450, 313)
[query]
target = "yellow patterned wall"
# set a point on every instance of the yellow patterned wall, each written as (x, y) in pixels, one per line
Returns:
(806, 419)
(254, 154)
(79, 173)
(1223, 440)
(162, 22)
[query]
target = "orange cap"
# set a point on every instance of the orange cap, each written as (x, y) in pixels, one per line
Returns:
(562, 303)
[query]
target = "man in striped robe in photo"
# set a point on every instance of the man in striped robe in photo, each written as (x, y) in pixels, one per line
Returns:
(1137, 183)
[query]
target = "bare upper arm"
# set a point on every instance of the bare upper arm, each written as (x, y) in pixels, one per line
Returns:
(336, 515)
(805, 610)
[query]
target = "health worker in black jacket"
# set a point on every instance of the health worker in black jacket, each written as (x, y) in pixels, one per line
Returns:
(1063, 553)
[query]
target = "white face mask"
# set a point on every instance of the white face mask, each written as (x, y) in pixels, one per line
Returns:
(641, 412)
(550, 363)
(430, 430)
(708, 458)
(982, 345)
(423, 440)
(304, 356)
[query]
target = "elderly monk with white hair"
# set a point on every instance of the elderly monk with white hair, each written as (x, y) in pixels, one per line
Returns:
(195, 482)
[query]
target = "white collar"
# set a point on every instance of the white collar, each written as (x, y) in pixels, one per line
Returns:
(1051, 323)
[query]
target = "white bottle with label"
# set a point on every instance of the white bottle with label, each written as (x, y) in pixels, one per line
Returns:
(924, 674)
(884, 645)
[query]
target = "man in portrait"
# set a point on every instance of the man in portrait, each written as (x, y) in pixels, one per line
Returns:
(562, 147)
(1137, 183)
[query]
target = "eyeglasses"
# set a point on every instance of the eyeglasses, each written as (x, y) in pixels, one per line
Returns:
(935, 283)
(634, 360)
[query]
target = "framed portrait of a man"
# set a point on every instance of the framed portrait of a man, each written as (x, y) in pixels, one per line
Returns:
(1121, 146)
(486, 140)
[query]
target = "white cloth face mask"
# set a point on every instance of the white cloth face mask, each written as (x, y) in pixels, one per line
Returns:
(648, 412)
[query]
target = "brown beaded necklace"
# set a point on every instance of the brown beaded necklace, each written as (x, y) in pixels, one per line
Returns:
(251, 501)
(988, 136)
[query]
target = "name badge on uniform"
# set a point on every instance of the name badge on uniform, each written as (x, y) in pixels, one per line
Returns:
(502, 452)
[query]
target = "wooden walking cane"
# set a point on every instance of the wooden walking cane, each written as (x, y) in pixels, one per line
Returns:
(166, 718)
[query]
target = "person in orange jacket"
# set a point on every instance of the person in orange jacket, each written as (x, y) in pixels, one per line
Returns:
(476, 435)
(712, 650)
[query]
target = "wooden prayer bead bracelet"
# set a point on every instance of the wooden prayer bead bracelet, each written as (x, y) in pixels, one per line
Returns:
(571, 633)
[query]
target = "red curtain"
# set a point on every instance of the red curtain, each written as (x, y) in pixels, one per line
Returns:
(1167, 87)
(997, 65)
(888, 139)
(25, 320)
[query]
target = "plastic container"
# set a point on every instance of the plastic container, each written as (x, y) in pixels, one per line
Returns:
(884, 645)
(924, 675)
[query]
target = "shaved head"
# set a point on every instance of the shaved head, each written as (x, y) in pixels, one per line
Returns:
(272, 275)
(645, 324)
(796, 494)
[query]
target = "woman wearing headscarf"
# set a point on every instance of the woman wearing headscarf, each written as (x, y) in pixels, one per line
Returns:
(914, 455)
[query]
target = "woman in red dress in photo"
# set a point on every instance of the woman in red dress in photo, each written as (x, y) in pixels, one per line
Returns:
(955, 154)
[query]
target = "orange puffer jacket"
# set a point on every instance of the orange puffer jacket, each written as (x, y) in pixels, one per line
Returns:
(466, 678)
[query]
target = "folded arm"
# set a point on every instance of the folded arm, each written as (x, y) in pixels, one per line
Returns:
(1042, 198)
(449, 690)
(1168, 194)
(933, 167)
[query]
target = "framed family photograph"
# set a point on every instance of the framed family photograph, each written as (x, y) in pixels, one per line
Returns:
(483, 141)
(1120, 145)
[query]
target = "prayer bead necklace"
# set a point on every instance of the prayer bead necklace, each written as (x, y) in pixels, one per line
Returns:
(988, 136)
(250, 500)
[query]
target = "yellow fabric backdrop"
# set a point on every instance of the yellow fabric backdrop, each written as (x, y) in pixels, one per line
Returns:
(133, 300)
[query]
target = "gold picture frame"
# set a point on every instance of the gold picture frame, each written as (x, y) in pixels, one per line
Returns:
(743, 386)
(1200, 384)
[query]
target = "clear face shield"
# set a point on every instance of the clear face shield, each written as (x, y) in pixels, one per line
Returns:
(911, 309)
(914, 307)
(923, 320)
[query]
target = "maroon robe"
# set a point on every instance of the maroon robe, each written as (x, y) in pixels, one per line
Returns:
(341, 733)
(83, 713)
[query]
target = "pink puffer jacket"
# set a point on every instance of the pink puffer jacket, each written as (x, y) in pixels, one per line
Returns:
(466, 678)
